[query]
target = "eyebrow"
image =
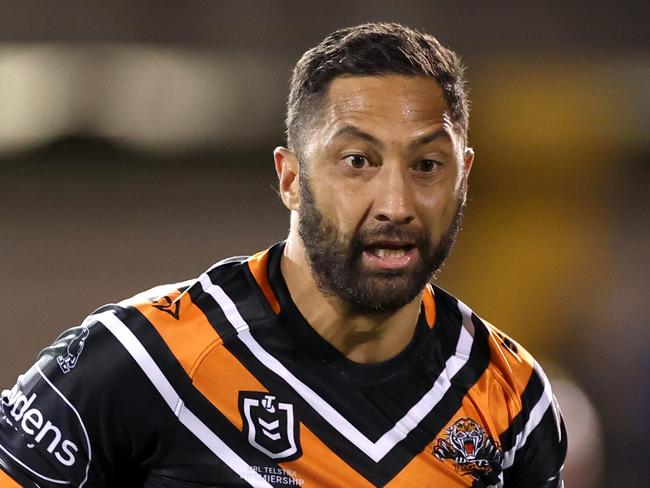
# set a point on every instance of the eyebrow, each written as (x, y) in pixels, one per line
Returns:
(352, 131)
(427, 138)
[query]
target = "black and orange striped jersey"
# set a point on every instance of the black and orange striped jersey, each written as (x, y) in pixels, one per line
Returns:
(220, 382)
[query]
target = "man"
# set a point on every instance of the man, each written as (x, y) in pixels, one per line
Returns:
(328, 359)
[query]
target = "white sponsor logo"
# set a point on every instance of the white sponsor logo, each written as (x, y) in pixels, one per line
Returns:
(43, 432)
(20, 412)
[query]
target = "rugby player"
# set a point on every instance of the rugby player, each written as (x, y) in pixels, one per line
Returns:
(329, 359)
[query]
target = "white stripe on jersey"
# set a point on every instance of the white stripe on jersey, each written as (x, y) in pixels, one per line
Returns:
(534, 419)
(171, 397)
(375, 450)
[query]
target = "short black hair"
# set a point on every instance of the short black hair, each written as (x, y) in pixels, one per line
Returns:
(372, 49)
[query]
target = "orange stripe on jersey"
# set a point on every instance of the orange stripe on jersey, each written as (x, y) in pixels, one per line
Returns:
(258, 266)
(429, 305)
(319, 466)
(223, 391)
(491, 403)
(188, 340)
(6, 481)
(509, 358)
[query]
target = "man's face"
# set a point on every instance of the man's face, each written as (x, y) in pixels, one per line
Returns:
(382, 188)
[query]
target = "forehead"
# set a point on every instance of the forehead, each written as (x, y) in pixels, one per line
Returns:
(390, 103)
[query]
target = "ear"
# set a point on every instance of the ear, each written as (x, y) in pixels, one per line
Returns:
(468, 159)
(288, 170)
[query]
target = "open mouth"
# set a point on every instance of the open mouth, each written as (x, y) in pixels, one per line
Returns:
(389, 249)
(389, 255)
(469, 447)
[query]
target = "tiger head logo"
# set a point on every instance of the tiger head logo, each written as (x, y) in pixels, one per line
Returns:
(466, 436)
(470, 448)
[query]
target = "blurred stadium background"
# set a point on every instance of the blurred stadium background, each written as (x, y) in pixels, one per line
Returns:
(135, 149)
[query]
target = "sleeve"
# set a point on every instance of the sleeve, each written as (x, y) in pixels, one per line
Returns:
(79, 416)
(538, 439)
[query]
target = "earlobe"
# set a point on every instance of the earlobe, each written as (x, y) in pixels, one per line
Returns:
(287, 169)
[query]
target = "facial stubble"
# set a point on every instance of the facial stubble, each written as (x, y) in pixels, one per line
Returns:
(336, 260)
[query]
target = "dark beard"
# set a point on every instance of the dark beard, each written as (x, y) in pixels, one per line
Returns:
(336, 262)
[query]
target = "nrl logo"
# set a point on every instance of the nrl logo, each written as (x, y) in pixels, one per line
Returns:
(269, 425)
(470, 448)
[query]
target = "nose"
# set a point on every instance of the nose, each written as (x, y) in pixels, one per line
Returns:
(393, 196)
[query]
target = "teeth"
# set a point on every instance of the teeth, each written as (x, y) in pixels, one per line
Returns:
(382, 252)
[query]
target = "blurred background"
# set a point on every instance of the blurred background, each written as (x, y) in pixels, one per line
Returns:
(135, 149)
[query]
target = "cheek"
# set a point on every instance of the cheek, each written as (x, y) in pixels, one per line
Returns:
(337, 204)
(438, 209)
(348, 209)
(341, 201)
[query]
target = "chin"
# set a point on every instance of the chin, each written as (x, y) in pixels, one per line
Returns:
(382, 294)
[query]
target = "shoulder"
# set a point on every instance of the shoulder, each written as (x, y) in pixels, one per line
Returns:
(175, 318)
(513, 362)
(97, 390)
(532, 435)
(535, 444)
(508, 360)
(149, 326)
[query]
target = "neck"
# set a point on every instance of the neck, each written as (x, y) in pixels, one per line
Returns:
(363, 338)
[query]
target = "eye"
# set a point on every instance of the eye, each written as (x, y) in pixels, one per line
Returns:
(356, 161)
(427, 165)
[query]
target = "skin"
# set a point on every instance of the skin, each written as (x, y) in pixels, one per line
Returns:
(385, 150)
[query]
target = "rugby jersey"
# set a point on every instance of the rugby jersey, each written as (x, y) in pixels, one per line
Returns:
(220, 382)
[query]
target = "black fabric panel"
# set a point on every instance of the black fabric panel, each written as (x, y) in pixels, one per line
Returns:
(539, 462)
(382, 402)
(16, 473)
(115, 400)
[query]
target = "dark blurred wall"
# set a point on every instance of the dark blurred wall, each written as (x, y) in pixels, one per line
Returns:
(102, 226)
